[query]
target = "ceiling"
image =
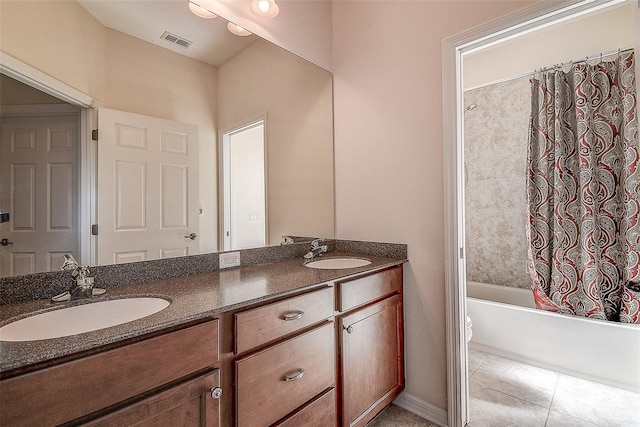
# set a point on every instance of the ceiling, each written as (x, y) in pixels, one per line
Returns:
(147, 20)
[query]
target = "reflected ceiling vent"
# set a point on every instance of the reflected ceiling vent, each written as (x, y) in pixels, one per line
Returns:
(176, 40)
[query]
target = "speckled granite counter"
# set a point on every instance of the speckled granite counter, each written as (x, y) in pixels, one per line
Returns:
(192, 297)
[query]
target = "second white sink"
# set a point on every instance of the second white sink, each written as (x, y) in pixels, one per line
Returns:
(81, 318)
(338, 263)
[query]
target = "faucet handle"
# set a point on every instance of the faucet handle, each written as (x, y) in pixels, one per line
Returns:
(316, 242)
(69, 263)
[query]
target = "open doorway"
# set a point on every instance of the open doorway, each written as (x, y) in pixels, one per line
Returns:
(39, 170)
(243, 184)
(457, 51)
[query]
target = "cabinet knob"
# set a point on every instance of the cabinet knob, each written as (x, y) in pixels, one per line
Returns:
(299, 375)
(293, 316)
(349, 329)
(216, 392)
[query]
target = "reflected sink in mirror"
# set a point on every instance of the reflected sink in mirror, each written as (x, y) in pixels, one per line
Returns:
(338, 263)
(81, 318)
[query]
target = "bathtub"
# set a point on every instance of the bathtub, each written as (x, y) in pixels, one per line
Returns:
(506, 323)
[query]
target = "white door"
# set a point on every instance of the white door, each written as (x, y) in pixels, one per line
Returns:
(39, 165)
(244, 198)
(147, 188)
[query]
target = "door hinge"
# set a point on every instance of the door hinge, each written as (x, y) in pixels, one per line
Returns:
(461, 253)
(94, 229)
(94, 134)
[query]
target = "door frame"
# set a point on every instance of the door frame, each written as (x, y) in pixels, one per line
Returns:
(87, 215)
(518, 23)
(245, 124)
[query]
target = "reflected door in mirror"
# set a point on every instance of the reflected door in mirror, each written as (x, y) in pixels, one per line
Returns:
(38, 172)
(244, 187)
(148, 188)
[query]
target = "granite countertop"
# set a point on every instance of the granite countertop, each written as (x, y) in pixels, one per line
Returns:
(192, 298)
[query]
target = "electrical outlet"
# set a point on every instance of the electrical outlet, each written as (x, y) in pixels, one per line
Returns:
(229, 259)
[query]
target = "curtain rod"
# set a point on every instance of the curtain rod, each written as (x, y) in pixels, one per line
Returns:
(531, 73)
(586, 59)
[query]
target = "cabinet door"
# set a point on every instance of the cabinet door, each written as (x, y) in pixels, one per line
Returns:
(372, 360)
(192, 403)
(278, 380)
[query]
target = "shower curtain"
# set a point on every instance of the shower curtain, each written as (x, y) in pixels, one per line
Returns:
(583, 191)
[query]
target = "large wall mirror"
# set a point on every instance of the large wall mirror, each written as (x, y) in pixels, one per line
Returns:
(114, 53)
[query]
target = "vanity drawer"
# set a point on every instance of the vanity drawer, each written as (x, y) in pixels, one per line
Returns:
(264, 324)
(320, 412)
(354, 293)
(276, 381)
(71, 390)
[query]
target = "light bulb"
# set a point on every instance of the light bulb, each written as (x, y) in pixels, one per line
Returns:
(238, 30)
(201, 11)
(264, 8)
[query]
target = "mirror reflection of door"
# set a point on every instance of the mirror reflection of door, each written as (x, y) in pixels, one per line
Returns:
(39, 166)
(243, 186)
(148, 181)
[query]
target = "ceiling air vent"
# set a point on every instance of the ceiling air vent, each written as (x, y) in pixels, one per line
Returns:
(176, 39)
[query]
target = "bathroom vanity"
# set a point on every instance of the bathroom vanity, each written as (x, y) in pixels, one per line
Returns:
(271, 344)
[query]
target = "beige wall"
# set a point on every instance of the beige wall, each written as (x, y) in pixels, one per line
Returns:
(121, 72)
(592, 34)
(389, 152)
(59, 38)
(296, 97)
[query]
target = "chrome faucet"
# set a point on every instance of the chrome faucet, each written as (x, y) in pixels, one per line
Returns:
(316, 249)
(287, 240)
(83, 283)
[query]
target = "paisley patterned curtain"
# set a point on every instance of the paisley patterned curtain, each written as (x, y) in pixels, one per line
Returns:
(583, 191)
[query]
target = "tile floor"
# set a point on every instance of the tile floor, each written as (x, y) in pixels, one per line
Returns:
(395, 416)
(506, 393)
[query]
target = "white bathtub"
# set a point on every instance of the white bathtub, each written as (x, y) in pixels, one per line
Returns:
(606, 352)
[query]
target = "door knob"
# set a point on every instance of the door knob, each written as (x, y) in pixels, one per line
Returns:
(216, 392)
(191, 236)
(5, 242)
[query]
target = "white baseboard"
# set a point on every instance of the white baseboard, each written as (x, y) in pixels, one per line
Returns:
(422, 409)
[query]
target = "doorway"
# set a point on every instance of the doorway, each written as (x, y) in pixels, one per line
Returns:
(243, 173)
(534, 18)
(39, 170)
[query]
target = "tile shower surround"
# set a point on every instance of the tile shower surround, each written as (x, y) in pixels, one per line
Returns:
(495, 153)
(19, 289)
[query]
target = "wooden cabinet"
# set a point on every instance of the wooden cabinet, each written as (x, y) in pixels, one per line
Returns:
(371, 347)
(319, 412)
(190, 404)
(72, 390)
(331, 356)
(276, 381)
(364, 290)
(270, 322)
(287, 362)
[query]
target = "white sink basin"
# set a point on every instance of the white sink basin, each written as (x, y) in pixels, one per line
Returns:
(81, 318)
(338, 263)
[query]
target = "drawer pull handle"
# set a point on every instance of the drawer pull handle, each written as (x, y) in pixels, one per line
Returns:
(293, 316)
(216, 392)
(300, 374)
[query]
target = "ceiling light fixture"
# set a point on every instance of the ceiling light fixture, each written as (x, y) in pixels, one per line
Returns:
(201, 11)
(264, 8)
(237, 30)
